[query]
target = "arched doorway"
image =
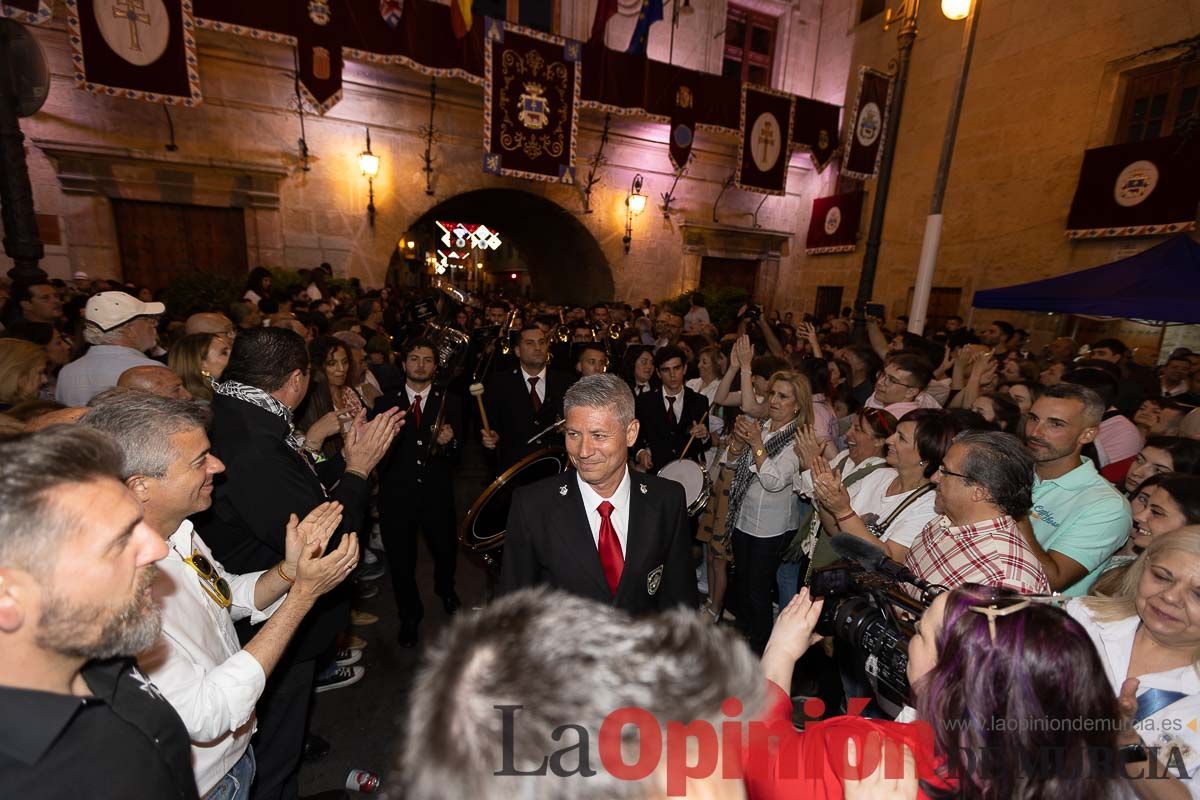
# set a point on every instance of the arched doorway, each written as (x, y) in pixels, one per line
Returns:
(564, 261)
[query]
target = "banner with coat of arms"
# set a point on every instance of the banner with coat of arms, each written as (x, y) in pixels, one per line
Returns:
(318, 52)
(531, 87)
(1137, 189)
(834, 224)
(683, 121)
(764, 140)
(138, 49)
(868, 125)
(32, 12)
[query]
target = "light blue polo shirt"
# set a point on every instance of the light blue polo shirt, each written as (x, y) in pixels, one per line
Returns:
(1082, 516)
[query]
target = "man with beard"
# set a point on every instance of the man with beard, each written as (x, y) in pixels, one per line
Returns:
(197, 663)
(524, 401)
(76, 567)
(1078, 519)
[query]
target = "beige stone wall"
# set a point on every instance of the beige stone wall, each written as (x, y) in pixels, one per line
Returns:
(1044, 86)
(248, 125)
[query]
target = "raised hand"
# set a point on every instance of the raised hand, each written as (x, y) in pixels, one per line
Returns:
(318, 526)
(367, 443)
(807, 446)
(793, 632)
(317, 574)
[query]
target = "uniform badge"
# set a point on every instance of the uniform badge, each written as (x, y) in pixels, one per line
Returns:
(562, 490)
(642, 486)
(653, 580)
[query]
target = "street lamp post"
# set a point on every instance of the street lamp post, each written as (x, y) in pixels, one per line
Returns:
(933, 224)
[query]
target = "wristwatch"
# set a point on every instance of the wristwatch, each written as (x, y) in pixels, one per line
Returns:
(1134, 753)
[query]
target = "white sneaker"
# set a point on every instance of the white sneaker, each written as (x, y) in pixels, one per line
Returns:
(348, 657)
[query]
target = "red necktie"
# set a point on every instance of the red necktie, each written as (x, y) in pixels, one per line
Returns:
(611, 560)
(415, 410)
(671, 418)
(533, 396)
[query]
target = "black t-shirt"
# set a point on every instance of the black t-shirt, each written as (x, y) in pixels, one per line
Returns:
(123, 743)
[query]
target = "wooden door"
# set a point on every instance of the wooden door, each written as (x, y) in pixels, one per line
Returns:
(944, 302)
(160, 242)
(829, 301)
(741, 273)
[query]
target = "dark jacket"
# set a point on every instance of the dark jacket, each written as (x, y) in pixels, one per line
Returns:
(510, 413)
(408, 469)
(264, 481)
(664, 440)
(549, 543)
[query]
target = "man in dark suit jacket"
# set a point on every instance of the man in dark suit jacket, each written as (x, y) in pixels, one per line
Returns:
(513, 413)
(600, 531)
(670, 416)
(266, 480)
(417, 487)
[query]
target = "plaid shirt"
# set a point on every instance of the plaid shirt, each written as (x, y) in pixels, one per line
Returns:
(991, 552)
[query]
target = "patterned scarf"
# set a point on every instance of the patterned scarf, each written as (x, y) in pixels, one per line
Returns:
(257, 397)
(742, 476)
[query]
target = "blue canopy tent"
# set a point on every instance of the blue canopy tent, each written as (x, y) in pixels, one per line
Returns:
(1160, 284)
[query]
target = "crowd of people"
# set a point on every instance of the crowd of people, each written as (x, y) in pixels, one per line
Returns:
(193, 502)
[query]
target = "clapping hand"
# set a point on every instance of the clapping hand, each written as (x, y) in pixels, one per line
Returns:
(828, 489)
(743, 351)
(367, 442)
(318, 526)
(317, 574)
(807, 446)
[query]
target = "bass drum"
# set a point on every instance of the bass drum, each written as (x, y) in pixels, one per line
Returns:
(482, 530)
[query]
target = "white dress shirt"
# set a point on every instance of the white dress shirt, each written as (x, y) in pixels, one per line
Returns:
(769, 507)
(620, 513)
(678, 404)
(423, 394)
(198, 663)
(540, 386)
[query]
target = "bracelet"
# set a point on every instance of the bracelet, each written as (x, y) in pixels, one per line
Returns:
(283, 574)
(848, 516)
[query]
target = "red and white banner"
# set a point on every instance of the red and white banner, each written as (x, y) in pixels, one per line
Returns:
(834, 224)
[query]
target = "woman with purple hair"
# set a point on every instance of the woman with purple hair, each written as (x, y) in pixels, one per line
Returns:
(1010, 702)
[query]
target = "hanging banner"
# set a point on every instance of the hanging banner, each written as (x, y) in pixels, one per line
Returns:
(1137, 189)
(864, 144)
(815, 130)
(764, 140)
(683, 122)
(318, 53)
(834, 224)
(32, 12)
(138, 49)
(531, 85)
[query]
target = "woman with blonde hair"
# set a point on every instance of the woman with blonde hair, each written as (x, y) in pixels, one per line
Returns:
(1148, 637)
(763, 512)
(22, 371)
(199, 359)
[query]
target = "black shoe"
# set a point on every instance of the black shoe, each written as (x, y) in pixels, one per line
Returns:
(451, 604)
(408, 634)
(315, 748)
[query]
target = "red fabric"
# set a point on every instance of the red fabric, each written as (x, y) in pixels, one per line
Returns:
(605, 10)
(414, 412)
(611, 559)
(813, 762)
(671, 418)
(533, 396)
(460, 17)
(1115, 472)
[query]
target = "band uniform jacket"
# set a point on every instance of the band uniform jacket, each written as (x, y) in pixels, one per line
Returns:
(406, 468)
(549, 543)
(510, 413)
(666, 441)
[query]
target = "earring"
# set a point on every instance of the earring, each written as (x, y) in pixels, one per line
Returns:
(924, 463)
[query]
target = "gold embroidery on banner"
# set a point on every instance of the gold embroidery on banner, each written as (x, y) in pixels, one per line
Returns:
(533, 94)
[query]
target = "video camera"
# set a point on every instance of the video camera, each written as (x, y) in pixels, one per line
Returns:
(867, 609)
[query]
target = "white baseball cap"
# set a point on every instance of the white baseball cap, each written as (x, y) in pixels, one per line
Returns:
(107, 310)
(80, 276)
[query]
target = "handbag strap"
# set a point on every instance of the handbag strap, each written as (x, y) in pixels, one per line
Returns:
(908, 501)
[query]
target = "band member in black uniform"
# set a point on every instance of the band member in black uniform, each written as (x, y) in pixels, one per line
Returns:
(639, 369)
(602, 531)
(670, 416)
(590, 359)
(524, 401)
(417, 489)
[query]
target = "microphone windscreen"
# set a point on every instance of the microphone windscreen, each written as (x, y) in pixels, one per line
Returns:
(856, 549)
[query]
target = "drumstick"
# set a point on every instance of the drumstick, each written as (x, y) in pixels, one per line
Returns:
(477, 392)
(688, 446)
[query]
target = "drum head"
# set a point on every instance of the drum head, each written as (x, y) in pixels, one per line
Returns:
(483, 527)
(686, 473)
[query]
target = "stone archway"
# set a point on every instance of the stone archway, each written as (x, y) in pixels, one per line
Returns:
(564, 260)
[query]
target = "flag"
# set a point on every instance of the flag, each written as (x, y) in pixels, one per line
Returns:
(833, 227)
(764, 140)
(141, 51)
(864, 145)
(652, 12)
(1137, 189)
(391, 11)
(319, 53)
(683, 120)
(605, 10)
(460, 17)
(34, 12)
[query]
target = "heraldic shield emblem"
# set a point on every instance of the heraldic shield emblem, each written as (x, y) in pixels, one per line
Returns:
(534, 107)
(654, 580)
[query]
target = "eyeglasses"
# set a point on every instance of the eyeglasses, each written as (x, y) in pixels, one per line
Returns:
(944, 472)
(213, 584)
(892, 381)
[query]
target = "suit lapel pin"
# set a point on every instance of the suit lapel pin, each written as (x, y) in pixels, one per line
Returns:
(654, 580)
(562, 490)
(642, 486)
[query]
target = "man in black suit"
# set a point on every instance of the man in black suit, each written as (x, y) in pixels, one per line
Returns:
(600, 531)
(670, 416)
(417, 487)
(524, 401)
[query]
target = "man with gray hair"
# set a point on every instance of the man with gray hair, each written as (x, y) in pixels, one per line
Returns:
(120, 329)
(984, 484)
(512, 700)
(597, 531)
(197, 663)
